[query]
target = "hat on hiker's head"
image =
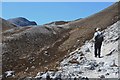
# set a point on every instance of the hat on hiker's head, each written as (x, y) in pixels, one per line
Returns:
(97, 29)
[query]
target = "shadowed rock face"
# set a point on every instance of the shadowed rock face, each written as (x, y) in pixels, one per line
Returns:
(20, 21)
(43, 47)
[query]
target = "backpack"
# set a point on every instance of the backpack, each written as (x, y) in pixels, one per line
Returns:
(99, 38)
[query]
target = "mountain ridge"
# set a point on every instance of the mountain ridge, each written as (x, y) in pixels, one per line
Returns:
(5, 25)
(21, 21)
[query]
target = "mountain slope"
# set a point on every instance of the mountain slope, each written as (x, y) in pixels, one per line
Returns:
(5, 25)
(83, 60)
(42, 48)
(82, 63)
(87, 25)
(20, 21)
(57, 23)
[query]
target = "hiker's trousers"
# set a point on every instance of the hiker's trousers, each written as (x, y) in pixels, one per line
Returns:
(97, 49)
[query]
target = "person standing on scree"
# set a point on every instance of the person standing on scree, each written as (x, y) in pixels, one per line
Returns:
(98, 39)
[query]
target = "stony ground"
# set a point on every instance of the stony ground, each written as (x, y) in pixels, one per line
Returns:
(82, 63)
(41, 48)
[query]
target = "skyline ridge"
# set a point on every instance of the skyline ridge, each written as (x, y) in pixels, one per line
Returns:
(44, 13)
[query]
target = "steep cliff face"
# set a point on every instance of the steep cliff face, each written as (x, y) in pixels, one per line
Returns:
(42, 48)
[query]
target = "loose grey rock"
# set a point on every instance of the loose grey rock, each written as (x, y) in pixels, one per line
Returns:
(102, 76)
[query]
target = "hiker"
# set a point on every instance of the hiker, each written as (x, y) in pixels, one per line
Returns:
(98, 39)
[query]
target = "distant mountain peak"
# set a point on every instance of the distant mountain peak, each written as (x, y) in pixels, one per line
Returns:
(21, 21)
(22, 18)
